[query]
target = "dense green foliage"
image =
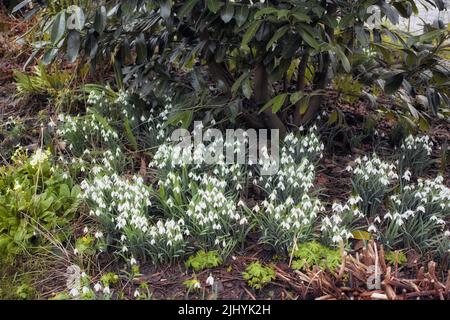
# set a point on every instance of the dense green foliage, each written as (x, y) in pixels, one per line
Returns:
(35, 200)
(261, 57)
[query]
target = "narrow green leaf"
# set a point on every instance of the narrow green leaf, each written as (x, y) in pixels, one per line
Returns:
(58, 28)
(277, 35)
(186, 8)
(100, 19)
(250, 33)
(309, 39)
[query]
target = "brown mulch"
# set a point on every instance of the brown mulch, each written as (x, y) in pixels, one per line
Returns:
(414, 281)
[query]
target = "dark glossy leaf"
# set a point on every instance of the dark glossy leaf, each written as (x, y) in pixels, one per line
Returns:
(214, 5)
(100, 19)
(73, 45)
(91, 45)
(227, 12)
(241, 15)
(393, 83)
(277, 35)
(49, 56)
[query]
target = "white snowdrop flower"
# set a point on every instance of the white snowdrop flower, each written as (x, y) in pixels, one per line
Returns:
(210, 280)
(106, 290)
(136, 293)
(98, 235)
(74, 292)
(97, 287)
(407, 175)
(447, 233)
(124, 249)
(85, 290)
(421, 208)
(86, 230)
(372, 228)
(133, 261)
(75, 251)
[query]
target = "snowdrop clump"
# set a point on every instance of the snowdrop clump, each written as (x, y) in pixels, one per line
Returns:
(284, 223)
(296, 173)
(415, 154)
(166, 241)
(190, 163)
(85, 132)
(119, 205)
(211, 214)
(340, 226)
(371, 180)
(290, 211)
(213, 218)
(297, 147)
(138, 118)
(203, 194)
(418, 216)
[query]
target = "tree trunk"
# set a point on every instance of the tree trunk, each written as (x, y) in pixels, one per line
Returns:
(262, 95)
(301, 72)
(321, 79)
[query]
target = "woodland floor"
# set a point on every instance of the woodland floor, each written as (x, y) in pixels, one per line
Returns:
(418, 278)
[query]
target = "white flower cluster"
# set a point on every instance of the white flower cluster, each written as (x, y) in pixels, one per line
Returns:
(374, 169)
(291, 180)
(171, 160)
(284, 223)
(428, 198)
(289, 213)
(212, 216)
(371, 178)
(201, 192)
(291, 216)
(419, 213)
(118, 203)
(415, 153)
(166, 241)
(307, 146)
(296, 172)
(81, 132)
(339, 226)
(417, 143)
